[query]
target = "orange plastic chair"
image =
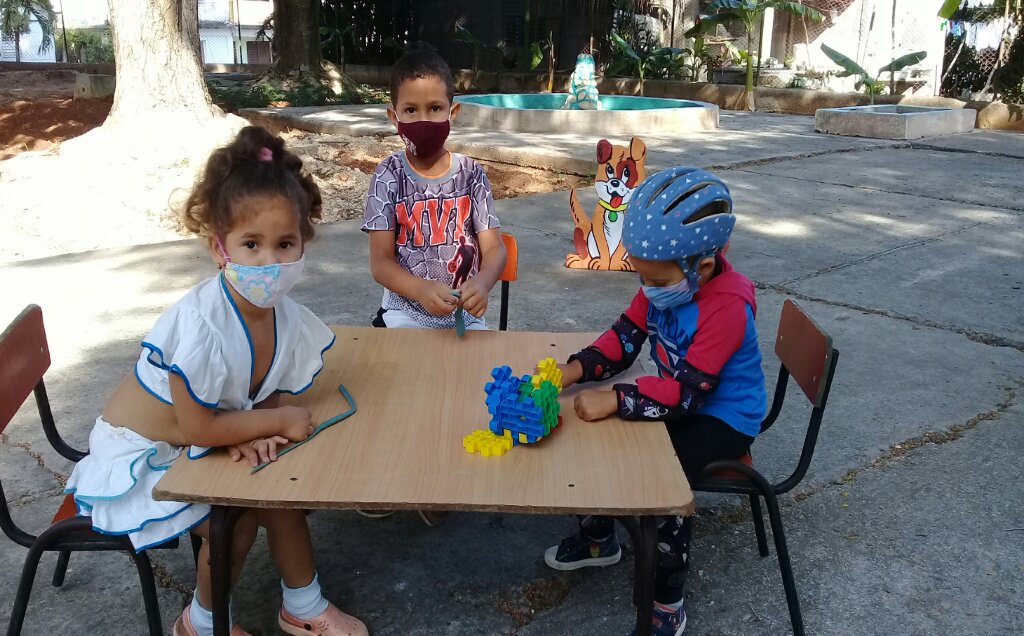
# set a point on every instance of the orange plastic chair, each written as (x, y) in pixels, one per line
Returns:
(508, 275)
(24, 359)
(806, 354)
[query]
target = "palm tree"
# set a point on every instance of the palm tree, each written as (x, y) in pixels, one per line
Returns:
(749, 12)
(16, 18)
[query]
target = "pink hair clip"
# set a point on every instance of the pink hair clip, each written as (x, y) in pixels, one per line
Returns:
(265, 154)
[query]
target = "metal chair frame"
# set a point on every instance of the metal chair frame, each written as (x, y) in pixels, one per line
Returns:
(508, 275)
(24, 358)
(806, 354)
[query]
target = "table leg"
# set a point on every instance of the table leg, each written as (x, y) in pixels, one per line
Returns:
(644, 531)
(222, 528)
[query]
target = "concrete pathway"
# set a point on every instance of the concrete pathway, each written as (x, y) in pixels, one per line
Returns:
(909, 520)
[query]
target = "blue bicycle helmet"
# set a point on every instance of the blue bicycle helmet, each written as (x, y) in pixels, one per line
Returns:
(655, 226)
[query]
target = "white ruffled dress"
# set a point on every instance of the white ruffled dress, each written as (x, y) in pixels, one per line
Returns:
(204, 340)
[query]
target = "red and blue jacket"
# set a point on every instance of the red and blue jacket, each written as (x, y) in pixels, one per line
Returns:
(706, 352)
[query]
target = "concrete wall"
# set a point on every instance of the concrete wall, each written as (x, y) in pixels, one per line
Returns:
(217, 45)
(863, 31)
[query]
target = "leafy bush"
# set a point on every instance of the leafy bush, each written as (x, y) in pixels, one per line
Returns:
(1008, 81)
(966, 73)
(262, 94)
(87, 46)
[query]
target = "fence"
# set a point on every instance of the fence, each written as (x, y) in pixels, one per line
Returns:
(978, 44)
(32, 46)
(870, 32)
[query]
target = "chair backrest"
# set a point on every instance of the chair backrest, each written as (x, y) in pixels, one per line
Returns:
(511, 271)
(509, 274)
(808, 357)
(24, 359)
(806, 351)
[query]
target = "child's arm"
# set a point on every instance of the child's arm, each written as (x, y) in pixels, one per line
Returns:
(616, 349)
(492, 263)
(721, 327)
(434, 296)
(264, 449)
(203, 426)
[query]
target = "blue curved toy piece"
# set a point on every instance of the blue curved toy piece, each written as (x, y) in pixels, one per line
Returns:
(316, 431)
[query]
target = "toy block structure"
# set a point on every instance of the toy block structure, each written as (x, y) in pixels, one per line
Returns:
(523, 410)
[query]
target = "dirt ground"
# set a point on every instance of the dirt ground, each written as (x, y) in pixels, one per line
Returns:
(18, 85)
(37, 114)
(342, 166)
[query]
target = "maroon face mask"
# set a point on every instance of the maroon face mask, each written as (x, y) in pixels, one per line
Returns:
(424, 138)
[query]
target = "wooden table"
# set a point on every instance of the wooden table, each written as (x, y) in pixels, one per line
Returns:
(418, 392)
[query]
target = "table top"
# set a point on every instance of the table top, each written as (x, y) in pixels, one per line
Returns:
(419, 392)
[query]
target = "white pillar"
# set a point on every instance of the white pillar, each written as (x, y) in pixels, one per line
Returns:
(765, 48)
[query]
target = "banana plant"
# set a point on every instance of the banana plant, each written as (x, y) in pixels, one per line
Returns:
(663, 62)
(749, 12)
(872, 85)
(537, 51)
(948, 8)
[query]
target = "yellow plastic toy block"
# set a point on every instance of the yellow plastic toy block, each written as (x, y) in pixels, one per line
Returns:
(487, 443)
(548, 371)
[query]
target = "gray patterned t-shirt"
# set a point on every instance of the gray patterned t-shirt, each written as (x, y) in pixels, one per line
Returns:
(435, 222)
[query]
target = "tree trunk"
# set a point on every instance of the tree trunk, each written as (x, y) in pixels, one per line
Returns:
(17, 46)
(297, 37)
(156, 46)
(892, 49)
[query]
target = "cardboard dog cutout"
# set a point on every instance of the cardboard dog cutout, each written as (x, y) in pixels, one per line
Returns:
(598, 240)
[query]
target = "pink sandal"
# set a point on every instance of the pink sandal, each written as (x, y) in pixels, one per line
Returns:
(333, 622)
(183, 626)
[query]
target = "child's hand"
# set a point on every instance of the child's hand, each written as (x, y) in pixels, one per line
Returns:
(571, 373)
(437, 298)
(593, 404)
(258, 451)
(296, 422)
(474, 297)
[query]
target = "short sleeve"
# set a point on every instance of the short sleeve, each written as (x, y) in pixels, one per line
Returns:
(721, 327)
(306, 357)
(483, 202)
(183, 343)
(380, 199)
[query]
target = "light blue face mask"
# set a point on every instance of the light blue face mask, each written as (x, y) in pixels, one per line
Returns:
(672, 295)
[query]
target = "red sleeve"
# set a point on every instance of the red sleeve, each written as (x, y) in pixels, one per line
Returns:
(721, 326)
(667, 391)
(608, 343)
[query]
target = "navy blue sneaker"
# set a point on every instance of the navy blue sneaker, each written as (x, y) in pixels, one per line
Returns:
(666, 622)
(580, 551)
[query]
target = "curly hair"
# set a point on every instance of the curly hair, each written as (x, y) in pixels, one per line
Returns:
(419, 61)
(254, 164)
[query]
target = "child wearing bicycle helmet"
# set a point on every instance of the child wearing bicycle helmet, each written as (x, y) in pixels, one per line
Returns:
(698, 314)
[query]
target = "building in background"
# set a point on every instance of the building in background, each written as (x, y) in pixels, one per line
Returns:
(228, 31)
